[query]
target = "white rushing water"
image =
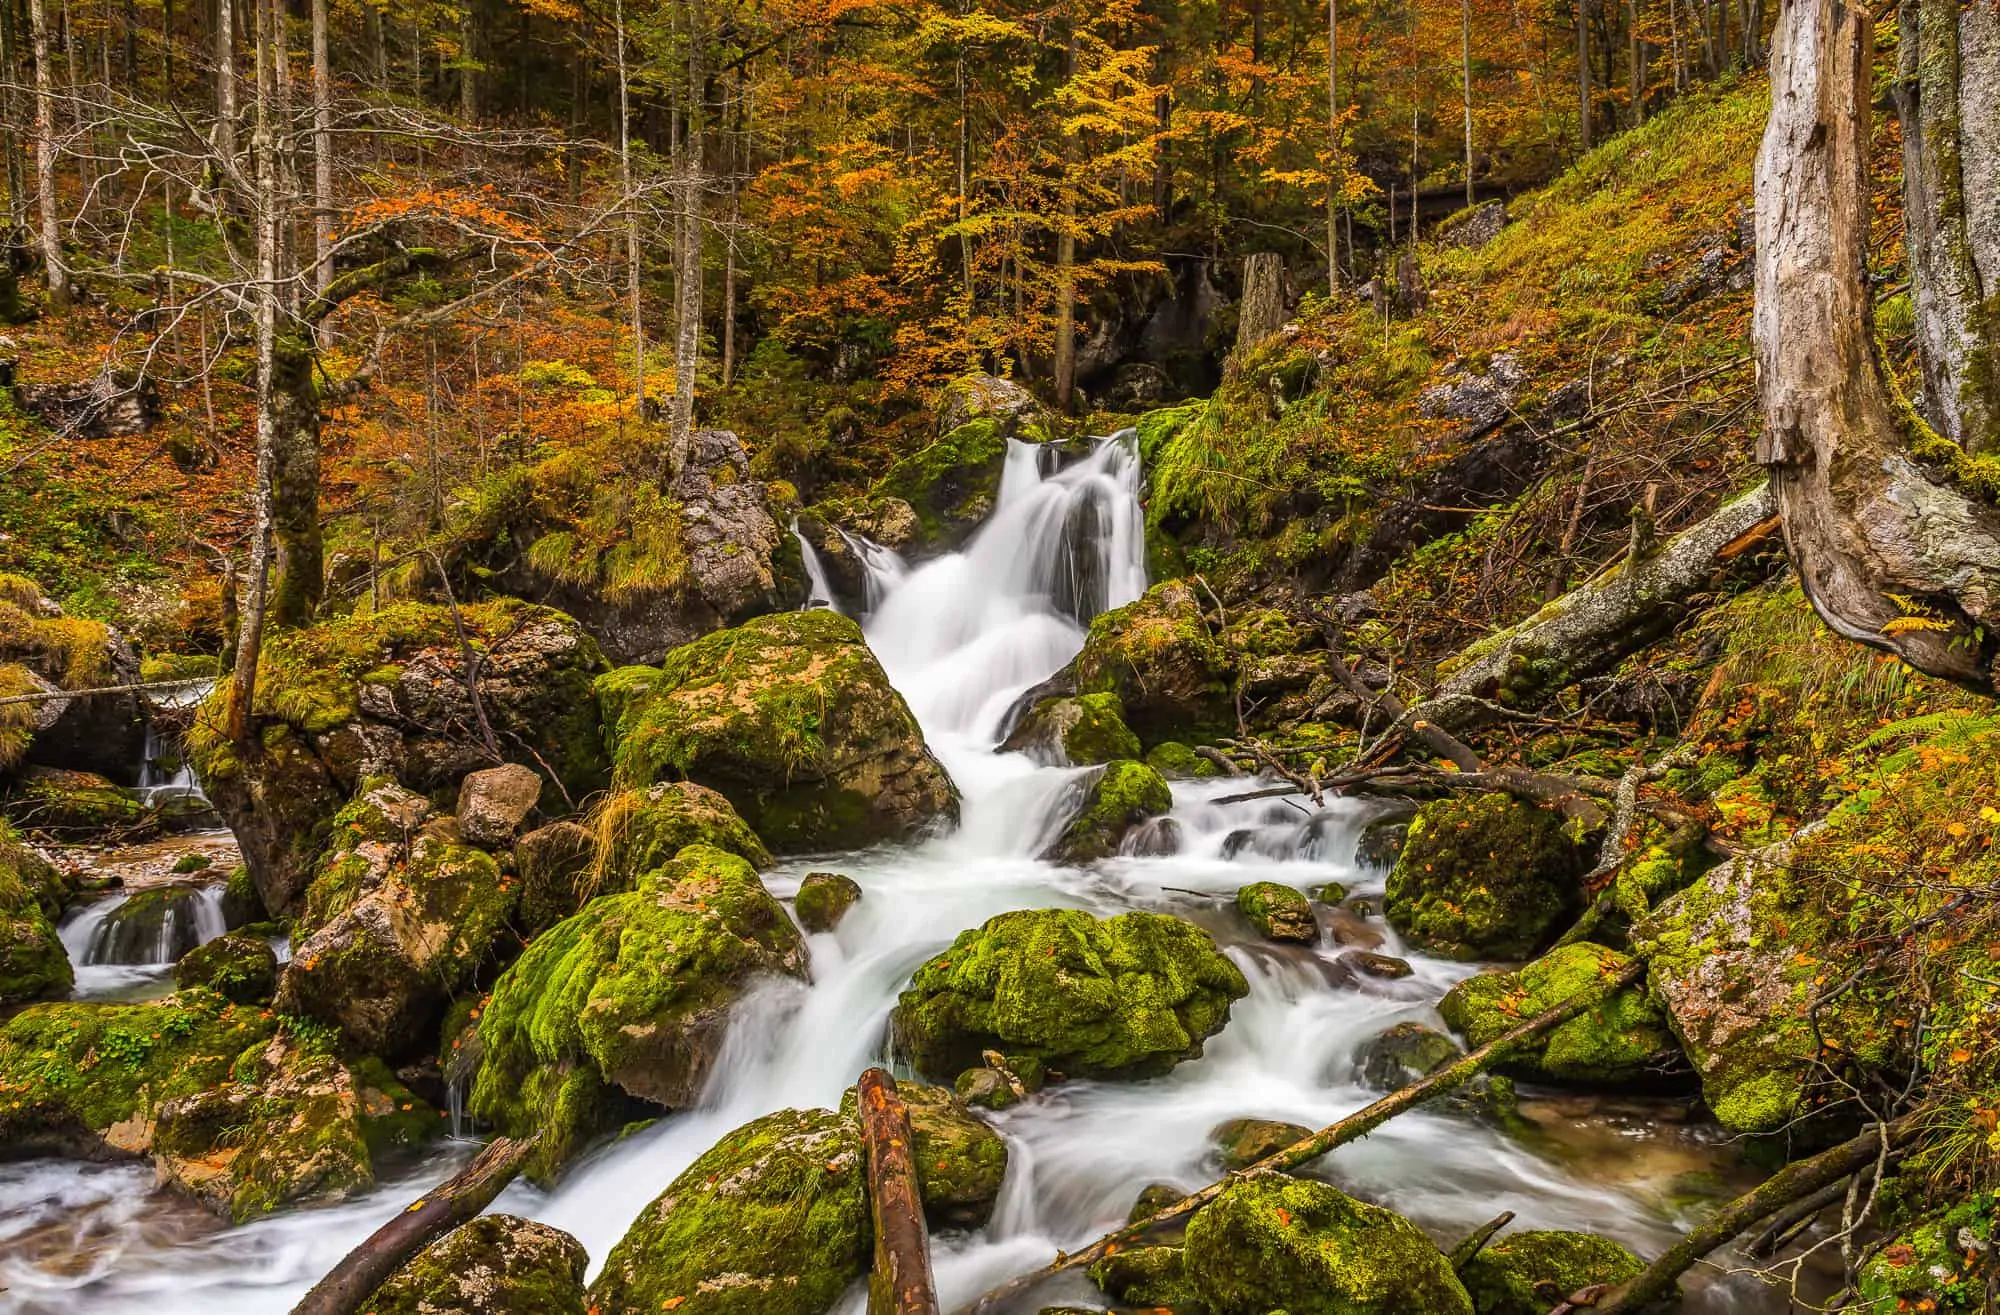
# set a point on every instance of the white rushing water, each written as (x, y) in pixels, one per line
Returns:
(962, 636)
(111, 961)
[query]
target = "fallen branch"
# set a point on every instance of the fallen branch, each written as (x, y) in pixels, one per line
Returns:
(1475, 1241)
(1794, 1182)
(1334, 1135)
(900, 1283)
(463, 1196)
(141, 687)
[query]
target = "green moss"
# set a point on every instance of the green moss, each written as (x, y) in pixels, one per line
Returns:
(1147, 1277)
(1515, 1274)
(33, 963)
(1278, 912)
(1243, 1142)
(636, 831)
(772, 1220)
(237, 967)
(1098, 734)
(1484, 876)
(73, 805)
(495, 1265)
(824, 899)
(1118, 798)
(1128, 997)
(961, 1162)
(1177, 762)
(1158, 656)
(1620, 1041)
(1941, 1264)
(632, 993)
(1278, 1243)
(951, 483)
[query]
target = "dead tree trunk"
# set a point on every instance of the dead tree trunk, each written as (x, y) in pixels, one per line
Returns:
(461, 1197)
(1262, 310)
(54, 270)
(900, 1283)
(1891, 552)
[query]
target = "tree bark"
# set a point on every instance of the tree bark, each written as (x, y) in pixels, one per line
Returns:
(322, 88)
(1583, 75)
(1262, 310)
(1948, 97)
(295, 478)
(900, 1283)
(631, 204)
(687, 260)
(225, 79)
(54, 271)
(1891, 554)
(1465, 52)
(1064, 364)
(463, 1196)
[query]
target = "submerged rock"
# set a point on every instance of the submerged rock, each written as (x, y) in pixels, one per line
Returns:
(824, 899)
(1484, 877)
(239, 967)
(1177, 762)
(792, 718)
(1386, 967)
(772, 1220)
(1278, 912)
(629, 998)
(156, 925)
(1116, 799)
(1394, 1058)
(1074, 732)
(1127, 997)
(1158, 656)
(1530, 1272)
(1243, 1142)
(1620, 1041)
(492, 1265)
(1273, 1242)
(33, 963)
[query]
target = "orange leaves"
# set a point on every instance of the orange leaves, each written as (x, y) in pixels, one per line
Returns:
(475, 211)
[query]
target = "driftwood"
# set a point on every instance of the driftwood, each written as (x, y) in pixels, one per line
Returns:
(1794, 1182)
(1476, 1241)
(459, 1198)
(1334, 1135)
(900, 1283)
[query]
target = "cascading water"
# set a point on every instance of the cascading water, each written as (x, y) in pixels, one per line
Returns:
(165, 777)
(963, 636)
(127, 942)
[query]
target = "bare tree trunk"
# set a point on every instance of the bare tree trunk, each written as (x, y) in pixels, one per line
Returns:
(631, 204)
(1064, 364)
(322, 88)
(225, 79)
(1333, 135)
(1583, 74)
(1465, 51)
(468, 63)
(17, 182)
(687, 313)
(53, 269)
(1890, 555)
(1262, 310)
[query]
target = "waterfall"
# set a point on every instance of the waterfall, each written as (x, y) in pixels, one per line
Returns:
(146, 928)
(175, 782)
(819, 593)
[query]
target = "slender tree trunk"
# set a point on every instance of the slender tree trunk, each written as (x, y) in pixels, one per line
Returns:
(468, 63)
(631, 204)
(1064, 364)
(322, 85)
(1636, 58)
(55, 271)
(687, 314)
(225, 79)
(1583, 74)
(1465, 49)
(1335, 164)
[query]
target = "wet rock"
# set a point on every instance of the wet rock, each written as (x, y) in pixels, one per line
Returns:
(382, 696)
(1384, 966)
(74, 805)
(1530, 1272)
(552, 862)
(238, 967)
(792, 718)
(1394, 1058)
(824, 899)
(1345, 927)
(628, 1000)
(960, 1161)
(1153, 1198)
(241, 904)
(492, 1265)
(1146, 1277)
(773, 1219)
(1275, 1242)
(950, 484)
(33, 963)
(155, 925)
(987, 1089)
(1243, 1142)
(1115, 799)
(644, 829)
(1074, 732)
(1128, 997)
(1159, 657)
(1381, 842)
(1485, 876)
(87, 1078)
(1177, 762)
(493, 803)
(1278, 912)
(831, 528)
(1156, 837)
(1331, 893)
(1621, 1042)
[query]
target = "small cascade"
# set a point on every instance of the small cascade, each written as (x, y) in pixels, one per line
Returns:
(882, 568)
(166, 781)
(819, 593)
(146, 928)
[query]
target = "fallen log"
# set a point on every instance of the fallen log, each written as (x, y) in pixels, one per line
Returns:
(900, 1283)
(1355, 1126)
(1794, 1182)
(461, 1197)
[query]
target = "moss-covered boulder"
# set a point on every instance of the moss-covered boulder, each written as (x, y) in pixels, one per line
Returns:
(1273, 1242)
(1243, 1142)
(1159, 657)
(43, 651)
(791, 717)
(493, 1265)
(1620, 1041)
(950, 483)
(553, 864)
(1278, 912)
(1530, 1272)
(1177, 762)
(157, 924)
(1946, 1263)
(772, 1220)
(33, 963)
(1111, 802)
(74, 805)
(1485, 876)
(238, 967)
(395, 924)
(87, 1078)
(628, 1000)
(1074, 732)
(1401, 1054)
(1148, 1278)
(1128, 997)
(961, 1162)
(639, 830)
(824, 899)
(383, 695)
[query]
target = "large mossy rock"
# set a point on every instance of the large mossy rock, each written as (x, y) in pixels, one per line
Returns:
(1621, 1041)
(792, 718)
(33, 963)
(1484, 876)
(237, 966)
(1530, 1272)
(295, 1126)
(65, 804)
(44, 652)
(1273, 1242)
(1074, 732)
(640, 830)
(951, 483)
(384, 695)
(628, 1000)
(1128, 997)
(1278, 912)
(1113, 800)
(493, 1265)
(395, 924)
(88, 1078)
(772, 1220)
(1159, 657)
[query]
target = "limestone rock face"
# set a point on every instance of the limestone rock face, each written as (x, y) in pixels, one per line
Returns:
(794, 721)
(494, 802)
(493, 1265)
